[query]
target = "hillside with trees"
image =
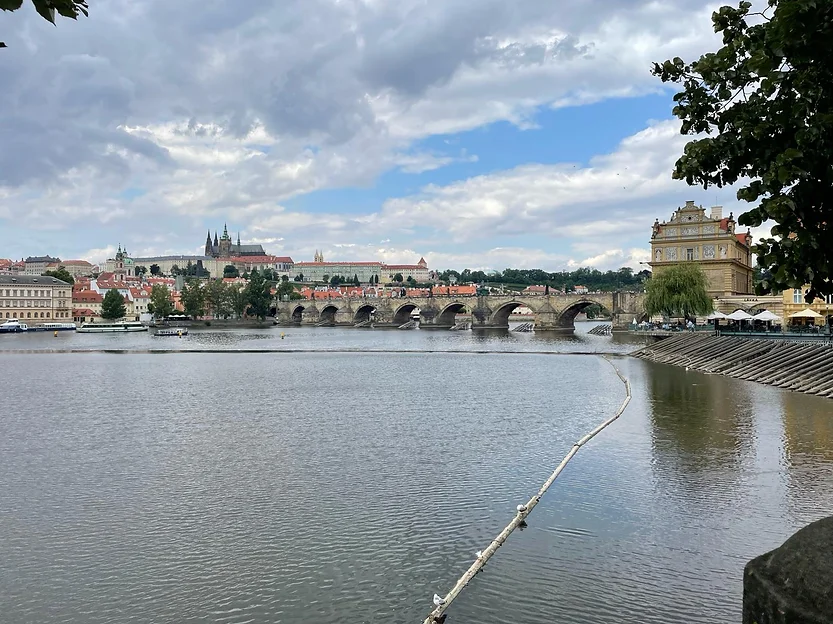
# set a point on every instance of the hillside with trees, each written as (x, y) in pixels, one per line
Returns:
(593, 279)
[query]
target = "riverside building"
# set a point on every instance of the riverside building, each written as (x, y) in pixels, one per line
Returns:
(709, 240)
(35, 299)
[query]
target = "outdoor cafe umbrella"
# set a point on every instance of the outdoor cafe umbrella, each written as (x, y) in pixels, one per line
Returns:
(806, 313)
(766, 315)
(739, 315)
(715, 315)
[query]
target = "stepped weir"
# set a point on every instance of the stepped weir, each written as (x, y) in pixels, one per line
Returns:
(800, 366)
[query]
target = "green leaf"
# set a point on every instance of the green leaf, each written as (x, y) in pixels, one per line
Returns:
(45, 10)
(10, 5)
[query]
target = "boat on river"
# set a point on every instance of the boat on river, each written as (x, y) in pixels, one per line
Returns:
(172, 331)
(53, 327)
(13, 326)
(108, 328)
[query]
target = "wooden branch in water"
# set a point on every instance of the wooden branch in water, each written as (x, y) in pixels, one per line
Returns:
(437, 616)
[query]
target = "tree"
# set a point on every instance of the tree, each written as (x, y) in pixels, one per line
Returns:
(230, 271)
(60, 273)
(193, 298)
(325, 278)
(141, 271)
(356, 281)
(155, 270)
(678, 291)
(299, 277)
(411, 280)
(175, 270)
(160, 299)
(398, 278)
(286, 290)
(214, 296)
(47, 9)
(766, 102)
(258, 295)
(284, 278)
(112, 306)
(236, 300)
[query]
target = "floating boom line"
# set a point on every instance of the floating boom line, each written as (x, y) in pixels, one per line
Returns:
(437, 616)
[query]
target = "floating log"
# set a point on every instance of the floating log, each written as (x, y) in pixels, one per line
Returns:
(437, 616)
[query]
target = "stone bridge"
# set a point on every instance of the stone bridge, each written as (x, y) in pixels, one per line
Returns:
(552, 312)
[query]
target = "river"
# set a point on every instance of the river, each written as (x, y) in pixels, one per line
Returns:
(339, 475)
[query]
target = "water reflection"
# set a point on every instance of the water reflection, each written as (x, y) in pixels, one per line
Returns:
(808, 449)
(702, 427)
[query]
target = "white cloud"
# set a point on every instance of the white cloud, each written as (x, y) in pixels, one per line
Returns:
(229, 111)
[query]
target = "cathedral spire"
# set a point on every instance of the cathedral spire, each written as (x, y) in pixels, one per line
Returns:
(225, 231)
(238, 240)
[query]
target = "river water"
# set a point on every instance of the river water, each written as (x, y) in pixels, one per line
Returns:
(339, 475)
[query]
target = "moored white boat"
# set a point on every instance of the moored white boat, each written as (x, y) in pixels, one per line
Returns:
(53, 327)
(108, 328)
(172, 331)
(13, 326)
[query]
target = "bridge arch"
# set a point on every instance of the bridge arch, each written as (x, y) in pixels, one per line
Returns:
(364, 313)
(500, 317)
(448, 315)
(568, 315)
(403, 313)
(328, 314)
(298, 313)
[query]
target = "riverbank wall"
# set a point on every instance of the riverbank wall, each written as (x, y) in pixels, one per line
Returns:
(799, 366)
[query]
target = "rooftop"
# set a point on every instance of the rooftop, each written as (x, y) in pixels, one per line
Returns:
(31, 280)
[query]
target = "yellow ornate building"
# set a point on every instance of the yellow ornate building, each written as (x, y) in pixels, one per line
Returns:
(692, 236)
(794, 301)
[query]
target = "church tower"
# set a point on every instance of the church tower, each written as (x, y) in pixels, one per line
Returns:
(225, 243)
(208, 248)
(215, 250)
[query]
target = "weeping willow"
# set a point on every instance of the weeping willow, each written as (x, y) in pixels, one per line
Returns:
(678, 291)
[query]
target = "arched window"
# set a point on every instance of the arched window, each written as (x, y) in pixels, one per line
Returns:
(28, 315)
(47, 314)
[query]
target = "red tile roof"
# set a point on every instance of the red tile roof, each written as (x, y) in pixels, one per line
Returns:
(325, 264)
(86, 296)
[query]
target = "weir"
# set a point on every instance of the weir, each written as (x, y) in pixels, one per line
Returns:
(803, 367)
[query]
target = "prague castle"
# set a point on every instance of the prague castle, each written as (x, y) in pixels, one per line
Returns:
(711, 241)
(223, 248)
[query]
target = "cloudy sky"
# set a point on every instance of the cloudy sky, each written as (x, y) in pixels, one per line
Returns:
(476, 133)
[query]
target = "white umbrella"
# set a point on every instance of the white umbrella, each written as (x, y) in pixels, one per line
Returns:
(716, 315)
(766, 315)
(806, 313)
(739, 315)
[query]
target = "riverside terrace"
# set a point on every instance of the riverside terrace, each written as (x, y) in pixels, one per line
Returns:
(554, 312)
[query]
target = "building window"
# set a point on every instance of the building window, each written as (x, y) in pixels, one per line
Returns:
(689, 254)
(798, 296)
(47, 314)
